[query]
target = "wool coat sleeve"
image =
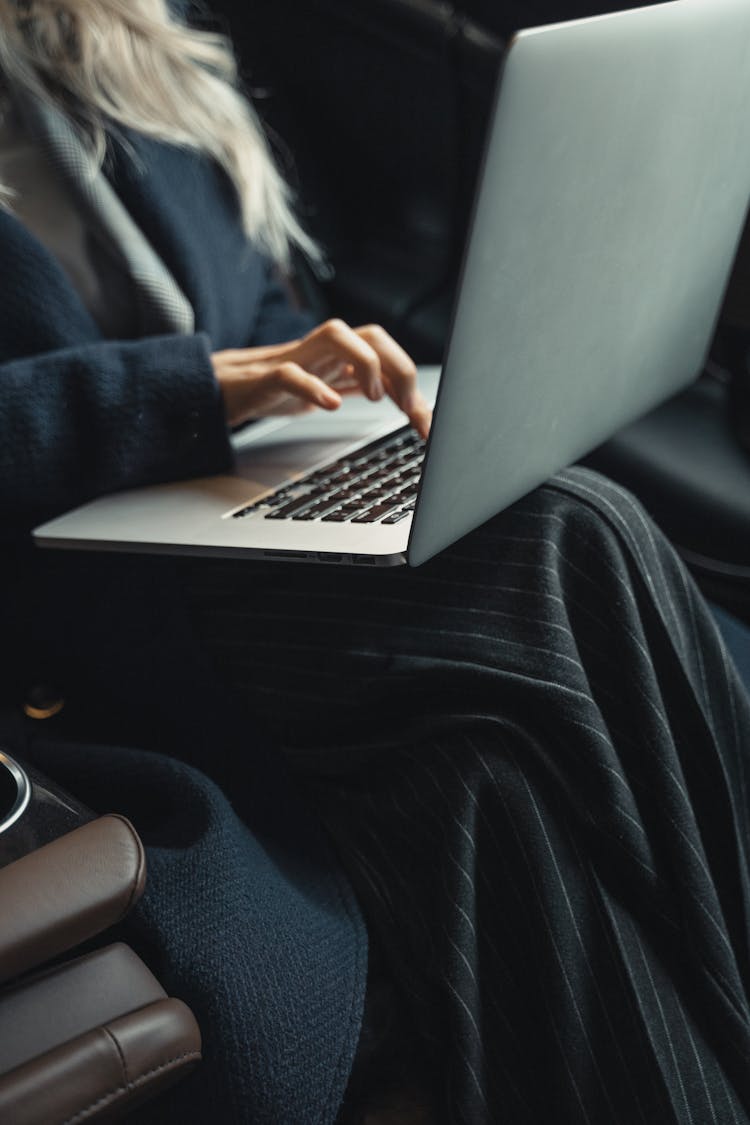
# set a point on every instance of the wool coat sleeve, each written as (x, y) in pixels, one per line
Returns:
(92, 418)
(99, 416)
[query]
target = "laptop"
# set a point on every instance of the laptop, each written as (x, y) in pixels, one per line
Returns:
(613, 192)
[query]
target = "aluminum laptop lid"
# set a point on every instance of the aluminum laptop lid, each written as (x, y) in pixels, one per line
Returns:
(614, 191)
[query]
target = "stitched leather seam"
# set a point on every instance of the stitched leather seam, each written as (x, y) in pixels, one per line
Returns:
(84, 1113)
(120, 1055)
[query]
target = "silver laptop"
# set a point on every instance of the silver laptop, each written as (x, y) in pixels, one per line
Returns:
(614, 188)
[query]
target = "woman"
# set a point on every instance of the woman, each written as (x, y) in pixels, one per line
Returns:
(528, 756)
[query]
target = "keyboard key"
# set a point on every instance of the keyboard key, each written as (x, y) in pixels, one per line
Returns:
(414, 463)
(291, 509)
(362, 487)
(316, 510)
(372, 515)
(343, 476)
(341, 515)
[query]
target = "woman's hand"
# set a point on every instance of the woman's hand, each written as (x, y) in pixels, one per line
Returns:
(331, 361)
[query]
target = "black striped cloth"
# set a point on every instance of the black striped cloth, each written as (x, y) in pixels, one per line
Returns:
(531, 754)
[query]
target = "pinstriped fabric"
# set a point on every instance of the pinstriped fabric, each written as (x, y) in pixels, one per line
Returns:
(164, 308)
(531, 753)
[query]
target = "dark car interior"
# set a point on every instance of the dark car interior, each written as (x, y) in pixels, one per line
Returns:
(377, 112)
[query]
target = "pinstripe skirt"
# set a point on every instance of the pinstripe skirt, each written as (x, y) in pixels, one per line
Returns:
(531, 755)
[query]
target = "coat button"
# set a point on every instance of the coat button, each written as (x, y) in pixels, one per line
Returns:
(42, 702)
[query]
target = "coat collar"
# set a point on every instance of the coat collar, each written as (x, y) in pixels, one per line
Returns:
(163, 307)
(188, 210)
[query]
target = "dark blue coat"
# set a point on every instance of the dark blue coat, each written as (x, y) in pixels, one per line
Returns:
(256, 928)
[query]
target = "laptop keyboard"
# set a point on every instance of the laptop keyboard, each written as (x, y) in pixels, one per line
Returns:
(376, 484)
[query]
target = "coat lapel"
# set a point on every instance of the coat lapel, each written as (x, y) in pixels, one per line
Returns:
(188, 210)
(163, 306)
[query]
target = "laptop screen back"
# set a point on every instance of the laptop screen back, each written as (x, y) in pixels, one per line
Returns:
(614, 190)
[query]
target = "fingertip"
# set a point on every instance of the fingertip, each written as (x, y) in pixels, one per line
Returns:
(329, 399)
(422, 421)
(415, 402)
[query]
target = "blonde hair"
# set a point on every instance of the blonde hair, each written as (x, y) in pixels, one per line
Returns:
(135, 63)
